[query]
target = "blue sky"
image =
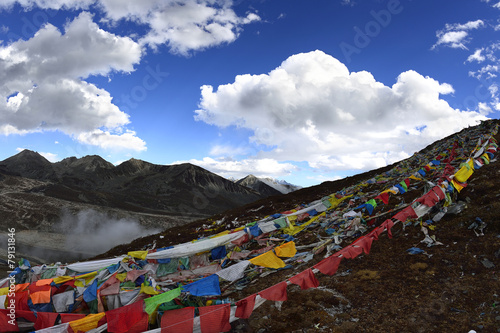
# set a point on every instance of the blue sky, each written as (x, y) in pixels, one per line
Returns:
(305, 91)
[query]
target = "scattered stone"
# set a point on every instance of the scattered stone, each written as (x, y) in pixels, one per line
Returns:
(456, 310)
(486, 263)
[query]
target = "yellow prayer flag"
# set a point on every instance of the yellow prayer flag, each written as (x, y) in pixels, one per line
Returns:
(457, 185)
(465, 171)
(138, 254)
(286, 250)
(148, 290)
(226, 232)
(268, 259)
(335, 202)
(121, 277)
(87, 323)
(4, 291)
(62, 279)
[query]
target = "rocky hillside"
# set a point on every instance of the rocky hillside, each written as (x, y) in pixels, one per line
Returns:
(411, 247)
(447, 282)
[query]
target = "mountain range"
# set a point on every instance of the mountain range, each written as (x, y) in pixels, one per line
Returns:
(34, 190)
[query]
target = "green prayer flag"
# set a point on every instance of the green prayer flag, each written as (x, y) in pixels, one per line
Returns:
(404, 185)
(372, 202)
(152, 303)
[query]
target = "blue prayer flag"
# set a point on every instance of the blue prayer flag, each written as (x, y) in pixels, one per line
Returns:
(208, 286)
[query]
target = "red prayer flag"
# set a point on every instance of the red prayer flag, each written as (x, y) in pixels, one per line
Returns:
(350, 252)
(120, 320)
(388, 224)
(405, 213)
(21, 299)
(178, 321)
(407, 182)
(140, 326)
(365, 243)
(67, 317)
(26, 314)
(242, 240)
(439, 191)
(275, 293)
(305, 280)
(5, 326)
(45, 320)
(376, 232)
(244, 307)
(329, 265)
(215, 318)
(384, 197)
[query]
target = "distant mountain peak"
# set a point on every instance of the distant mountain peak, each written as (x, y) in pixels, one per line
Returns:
(26, 155)
(280, 186)
(29, 163)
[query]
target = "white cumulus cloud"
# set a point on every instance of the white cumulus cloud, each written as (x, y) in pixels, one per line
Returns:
(182, 25)
(43, 88)
(311, 108)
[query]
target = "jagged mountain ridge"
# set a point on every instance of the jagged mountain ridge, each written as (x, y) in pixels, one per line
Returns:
(134, 185)
(256, 184)
(269, 186)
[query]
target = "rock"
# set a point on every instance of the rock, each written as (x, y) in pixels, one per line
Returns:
(486, 263)
(497, 318)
